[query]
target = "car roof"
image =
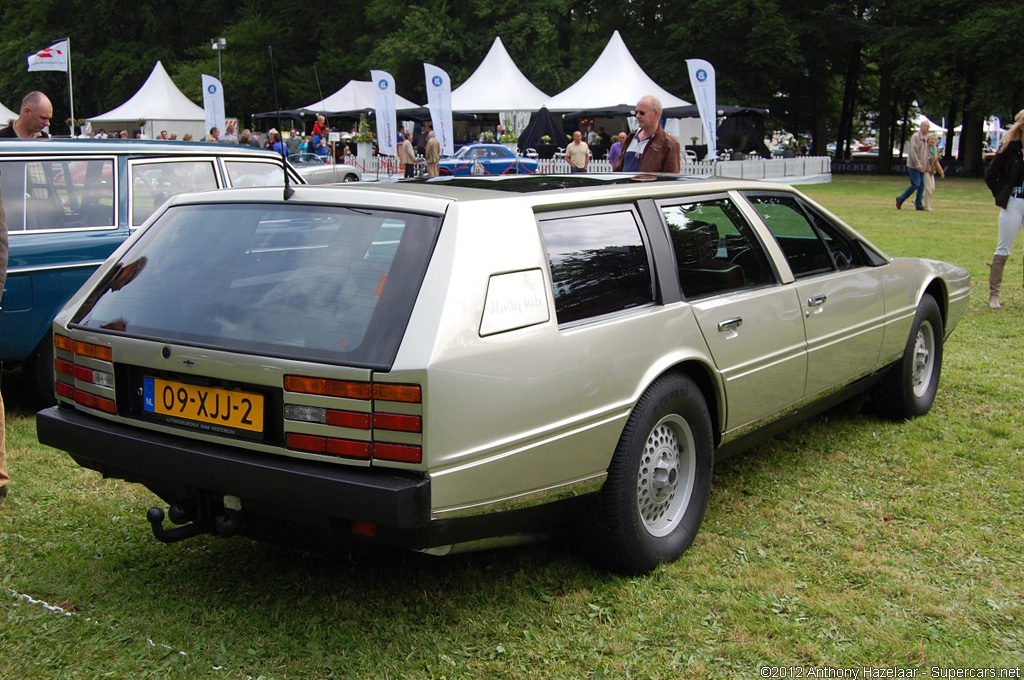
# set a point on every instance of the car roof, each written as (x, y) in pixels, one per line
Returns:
(139, 147)
(436, 193)
(486, 145)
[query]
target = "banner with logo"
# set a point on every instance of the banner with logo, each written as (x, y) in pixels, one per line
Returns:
(53, 58)
(387, 125)
(702, 80)
(213, 104)
(439, 101)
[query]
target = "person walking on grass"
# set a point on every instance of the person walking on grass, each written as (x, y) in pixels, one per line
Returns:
(917, 162)
(1004, 177)
(934, 167)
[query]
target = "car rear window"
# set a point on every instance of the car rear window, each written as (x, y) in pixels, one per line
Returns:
(324, 283)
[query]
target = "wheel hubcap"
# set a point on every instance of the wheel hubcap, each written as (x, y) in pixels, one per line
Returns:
(665, 477)
(924, 358)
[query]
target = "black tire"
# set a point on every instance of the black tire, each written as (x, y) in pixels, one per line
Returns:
(654, 499)
(909, 389)
(38, 373)
(349, 178)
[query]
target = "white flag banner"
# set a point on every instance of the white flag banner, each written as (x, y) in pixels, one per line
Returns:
(213, 103)
(702, 80)
(53, 58)
(387, 125)
(439, 101)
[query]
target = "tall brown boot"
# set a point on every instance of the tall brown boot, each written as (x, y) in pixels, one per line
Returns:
(995, 279)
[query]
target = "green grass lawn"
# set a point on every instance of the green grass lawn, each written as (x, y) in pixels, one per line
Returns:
(849, 542)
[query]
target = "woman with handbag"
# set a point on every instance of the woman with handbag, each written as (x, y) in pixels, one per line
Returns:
(1005, 179)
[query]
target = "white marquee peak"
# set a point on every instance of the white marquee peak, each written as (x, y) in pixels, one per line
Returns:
(497, 85)
(615, 79)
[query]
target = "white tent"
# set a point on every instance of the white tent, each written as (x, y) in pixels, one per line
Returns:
(615, 79)
(356, 96)
(497, 85)
(6, 115)
(163, 107)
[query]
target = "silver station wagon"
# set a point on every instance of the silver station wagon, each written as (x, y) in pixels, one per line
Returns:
(466, 362)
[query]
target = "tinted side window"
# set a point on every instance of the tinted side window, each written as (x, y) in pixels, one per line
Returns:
(154, 183)
(805, 252)
(58, 193)
(599, 264)
(716, 250)
(844, 255)
(812, 244)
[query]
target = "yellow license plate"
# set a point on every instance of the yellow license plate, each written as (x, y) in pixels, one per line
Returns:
(227, 408)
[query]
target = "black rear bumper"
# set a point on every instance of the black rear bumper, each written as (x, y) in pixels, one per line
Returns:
(277, 485)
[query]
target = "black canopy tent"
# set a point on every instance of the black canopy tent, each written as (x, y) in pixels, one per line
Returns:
(542, 123)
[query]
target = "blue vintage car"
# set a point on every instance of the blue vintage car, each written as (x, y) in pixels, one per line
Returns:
(70, 203)
(487, 159)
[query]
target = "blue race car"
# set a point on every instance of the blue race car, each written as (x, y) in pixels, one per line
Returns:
(486, 159)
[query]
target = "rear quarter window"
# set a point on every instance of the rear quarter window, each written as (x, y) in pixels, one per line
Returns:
(599, 264)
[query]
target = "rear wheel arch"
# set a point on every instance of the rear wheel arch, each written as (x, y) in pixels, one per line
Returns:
(703, 375)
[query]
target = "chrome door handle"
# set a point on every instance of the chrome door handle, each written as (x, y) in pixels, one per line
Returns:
(730, 324)
(817, 300)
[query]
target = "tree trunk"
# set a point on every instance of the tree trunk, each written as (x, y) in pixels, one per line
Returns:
(845, 135)
(819, 97)
(971, 134)
(950, 124)
(885, 107)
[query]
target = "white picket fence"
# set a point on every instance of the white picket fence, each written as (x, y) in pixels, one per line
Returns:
(775, 169)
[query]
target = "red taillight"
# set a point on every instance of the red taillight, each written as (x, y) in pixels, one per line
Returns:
(353, 419)
(92, 401)
(402, 453)
(380, 426)
(65, 369)
(364, 529)
(338, 447)
(349, 447)
(63, 366)
(398, 421)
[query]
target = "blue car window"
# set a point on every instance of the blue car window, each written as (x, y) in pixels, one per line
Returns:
(58, 193)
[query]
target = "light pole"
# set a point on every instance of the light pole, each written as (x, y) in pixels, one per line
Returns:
(218, 44)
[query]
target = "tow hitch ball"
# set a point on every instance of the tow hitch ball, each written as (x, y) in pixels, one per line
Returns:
(228, 523)
(156, 519)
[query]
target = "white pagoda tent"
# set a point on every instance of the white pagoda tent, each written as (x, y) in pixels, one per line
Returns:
(355, 97)
(161, 105)
(497, 86)
(615, 79)
(6, 115)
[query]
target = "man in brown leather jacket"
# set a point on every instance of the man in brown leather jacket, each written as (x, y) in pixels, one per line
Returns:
(650, 148)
